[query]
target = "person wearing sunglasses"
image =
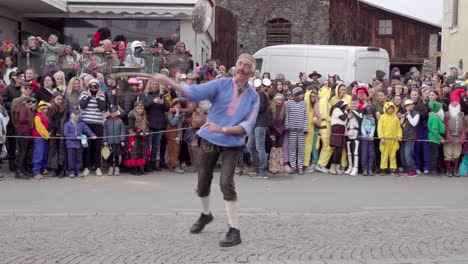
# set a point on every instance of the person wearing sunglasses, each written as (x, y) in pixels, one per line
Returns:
(93, 105)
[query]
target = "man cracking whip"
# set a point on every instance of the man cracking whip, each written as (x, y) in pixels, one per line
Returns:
(231, 118)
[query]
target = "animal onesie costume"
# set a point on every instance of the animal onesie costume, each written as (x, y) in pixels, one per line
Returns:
(389, 129)
(311, 146)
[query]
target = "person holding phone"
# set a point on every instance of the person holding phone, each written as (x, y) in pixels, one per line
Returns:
(156, 106)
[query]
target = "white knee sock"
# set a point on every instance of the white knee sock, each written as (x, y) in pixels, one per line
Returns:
(231, 210)
(205, 205)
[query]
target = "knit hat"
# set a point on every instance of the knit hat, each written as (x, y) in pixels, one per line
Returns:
(164, 71)
(408, 102)
(455, 96)
(42, 105)
(435, 106)
(96, 81)
(394, 70)
(297, 91)
(250, 58)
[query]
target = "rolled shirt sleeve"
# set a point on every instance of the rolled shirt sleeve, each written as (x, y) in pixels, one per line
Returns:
(249, 122)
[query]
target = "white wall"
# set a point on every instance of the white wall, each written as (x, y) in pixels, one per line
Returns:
(454, 41)
(187, 35)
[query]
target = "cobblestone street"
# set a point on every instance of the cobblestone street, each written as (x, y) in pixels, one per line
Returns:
(403, 237)
(107, 221)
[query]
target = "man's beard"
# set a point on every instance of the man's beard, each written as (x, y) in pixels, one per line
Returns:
(454, 111)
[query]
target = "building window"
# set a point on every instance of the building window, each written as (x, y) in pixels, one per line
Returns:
(278, 31)
(385, 27)
(452, 14)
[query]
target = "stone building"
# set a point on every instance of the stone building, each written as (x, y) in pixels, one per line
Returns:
(263, 23)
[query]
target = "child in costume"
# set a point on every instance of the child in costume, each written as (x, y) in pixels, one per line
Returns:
(368, 126)
(41, 137)
(390, 134)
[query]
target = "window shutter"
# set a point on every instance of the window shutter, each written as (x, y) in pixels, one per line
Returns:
(455, 13)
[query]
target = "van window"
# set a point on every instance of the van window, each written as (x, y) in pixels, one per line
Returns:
(366, 68)
(259, 63)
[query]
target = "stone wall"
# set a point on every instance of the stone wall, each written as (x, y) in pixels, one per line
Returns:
(309, 18)
(430, 64)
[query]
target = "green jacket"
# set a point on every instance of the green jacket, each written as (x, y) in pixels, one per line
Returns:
(436, 127)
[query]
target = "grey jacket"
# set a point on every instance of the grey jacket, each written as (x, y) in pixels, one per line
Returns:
(113, 126)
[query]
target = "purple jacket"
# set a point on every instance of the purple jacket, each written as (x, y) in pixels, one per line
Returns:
(76, 130)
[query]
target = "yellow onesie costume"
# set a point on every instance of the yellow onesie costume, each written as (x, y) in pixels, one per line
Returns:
(325, 126)
(389, 129)
(311, 135)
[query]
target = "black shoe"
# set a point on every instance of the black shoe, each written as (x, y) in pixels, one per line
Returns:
(232, 238)
(201, 223)
(148, 167)
(26, 173)
(21, 176)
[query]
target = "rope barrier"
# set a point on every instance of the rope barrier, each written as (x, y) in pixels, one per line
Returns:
(115, 136)
(187, 128)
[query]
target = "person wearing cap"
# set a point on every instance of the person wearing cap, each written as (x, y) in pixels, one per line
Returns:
(114, 137)
(12, 91)
(436, 128)
(390, 134)
(234, 109)
(445, 91)
(409, 121)
(454, 133)
(256, 139)
(40, 141)
(363, 96)
(297, 124)
(368, 127)
(315, 76)
(93, 105)
(209, 71)
(135, 58)
(74, 130)
(23, 124)
(155, 61)
(179, 60)
(26, 91)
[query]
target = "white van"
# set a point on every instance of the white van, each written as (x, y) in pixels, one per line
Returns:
(349, 62)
